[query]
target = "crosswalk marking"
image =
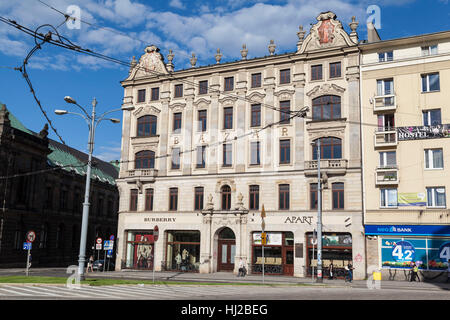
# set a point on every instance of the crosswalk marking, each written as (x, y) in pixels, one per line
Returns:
(14, 292)
(28, 289)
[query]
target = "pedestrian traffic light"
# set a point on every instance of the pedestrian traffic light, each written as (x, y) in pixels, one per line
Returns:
(263, 238)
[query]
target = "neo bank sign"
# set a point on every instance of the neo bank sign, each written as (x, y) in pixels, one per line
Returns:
(422, 230)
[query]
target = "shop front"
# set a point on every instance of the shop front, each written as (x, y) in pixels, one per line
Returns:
(182, 251)
(140, 250)
(336, 250)
(277, 254)
(401, 246)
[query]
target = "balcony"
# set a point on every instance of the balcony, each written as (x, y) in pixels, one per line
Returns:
(331, 166)
(386, 137)
(385, 103)
(142, 175)
(386, 175)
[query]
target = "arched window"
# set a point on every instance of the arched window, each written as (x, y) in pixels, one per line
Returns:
(146, 126)
(326, 108)
(226, 197)
(330, 148)
(145, 160)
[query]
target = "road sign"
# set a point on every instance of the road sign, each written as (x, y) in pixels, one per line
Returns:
(111, 237)
(98, 246)
(108, 245)
(98, 240)
(31, 236)
(27, 246)
(155, 233)
(109, 253)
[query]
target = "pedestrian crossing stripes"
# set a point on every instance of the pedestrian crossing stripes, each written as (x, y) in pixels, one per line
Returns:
(150, 292)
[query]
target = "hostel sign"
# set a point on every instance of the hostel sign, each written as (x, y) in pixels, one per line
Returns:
(423, 132)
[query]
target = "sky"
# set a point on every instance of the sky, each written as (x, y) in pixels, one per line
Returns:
(123, 28)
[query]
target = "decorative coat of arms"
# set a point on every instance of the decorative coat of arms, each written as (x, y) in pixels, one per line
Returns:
(151, 63)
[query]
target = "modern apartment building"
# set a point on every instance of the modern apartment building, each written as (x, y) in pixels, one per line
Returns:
(207, 147)
(406, 129)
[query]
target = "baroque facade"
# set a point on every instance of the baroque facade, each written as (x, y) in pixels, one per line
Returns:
(49, 201)
(206, 148)
(404, 104)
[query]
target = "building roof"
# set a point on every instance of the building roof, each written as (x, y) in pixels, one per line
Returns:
(72, 159)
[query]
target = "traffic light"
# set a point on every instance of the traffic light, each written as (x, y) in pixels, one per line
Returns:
(263, 238)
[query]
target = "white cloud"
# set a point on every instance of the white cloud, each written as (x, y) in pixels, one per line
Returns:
(176, 4)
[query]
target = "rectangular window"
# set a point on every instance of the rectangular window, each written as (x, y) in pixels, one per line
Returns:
(227, 155)
(177, 121)
(201, 153)
(254, 198)
(338, 195)
(285, 76)
(228, 118)
(316, 72)
(173, 199)
(255, 115)
(283, 191)
(388, 198)
(203, 87)
(176, 158)
(255, 153)
(256, 80)
(429, 50)
(313, 195)
(335, 70)
(285, 151)
(432, 117)
(155, 94)
(198, 198)
(178, 90)
(385, 56)
(436, 197)
(386, 87)
(149, 199)
(141, 95)
(388, 159)
(285, 112)
(434, 159)
(229, 84)
(202, 120)
(430, 82)
(133, 199)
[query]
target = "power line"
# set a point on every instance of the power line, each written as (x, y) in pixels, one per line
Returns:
(39, 171)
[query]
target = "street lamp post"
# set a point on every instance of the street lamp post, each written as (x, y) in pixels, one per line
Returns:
(319, 218)
(92, 122)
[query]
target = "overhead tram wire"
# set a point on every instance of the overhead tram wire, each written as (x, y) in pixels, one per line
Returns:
(40, 171)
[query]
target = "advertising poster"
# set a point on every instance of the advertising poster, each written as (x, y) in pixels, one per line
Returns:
(430, 254)
(412, 199)
(273, 238)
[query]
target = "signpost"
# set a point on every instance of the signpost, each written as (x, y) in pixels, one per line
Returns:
(98, 246)
(155, 238)
(263, 237)
(107, 246)
(31, 236)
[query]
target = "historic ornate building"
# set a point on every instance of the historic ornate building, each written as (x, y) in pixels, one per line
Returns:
(406, 116)
(42, 190)
(207, 147)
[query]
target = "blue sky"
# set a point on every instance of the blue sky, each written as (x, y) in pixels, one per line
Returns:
(183, 26)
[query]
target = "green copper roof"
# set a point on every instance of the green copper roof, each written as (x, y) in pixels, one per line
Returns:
(15, 123)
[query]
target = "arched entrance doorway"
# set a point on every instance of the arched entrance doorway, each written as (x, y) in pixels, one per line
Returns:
(227, 250)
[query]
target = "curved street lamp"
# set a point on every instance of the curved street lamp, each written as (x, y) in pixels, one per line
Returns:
(92, 122)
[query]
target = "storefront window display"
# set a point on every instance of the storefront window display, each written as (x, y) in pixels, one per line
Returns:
(140, 249)
(336, 249)
(278, 253)
(183, 251)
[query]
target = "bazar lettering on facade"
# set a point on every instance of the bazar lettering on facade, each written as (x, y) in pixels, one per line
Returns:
(206, 197)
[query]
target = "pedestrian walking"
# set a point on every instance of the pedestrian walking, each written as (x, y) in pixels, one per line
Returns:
(242, 270)
(90, 264)
(448, 271)
(331, 269)
(349, 269)
(414, 271)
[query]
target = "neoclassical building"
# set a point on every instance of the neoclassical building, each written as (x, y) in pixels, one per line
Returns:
(207, 147)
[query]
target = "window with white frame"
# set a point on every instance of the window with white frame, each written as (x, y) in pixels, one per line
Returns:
(436, 197)
(388, 159)
(434, 159)
(385, 56)
(430, 82)
(431, 117)
(388, 197)
(385, 87)
(429, 50)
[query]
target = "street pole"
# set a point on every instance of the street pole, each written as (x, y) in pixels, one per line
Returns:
(86, 204)
(319, 218)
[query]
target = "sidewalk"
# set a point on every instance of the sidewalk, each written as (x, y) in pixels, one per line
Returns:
(228, 277)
